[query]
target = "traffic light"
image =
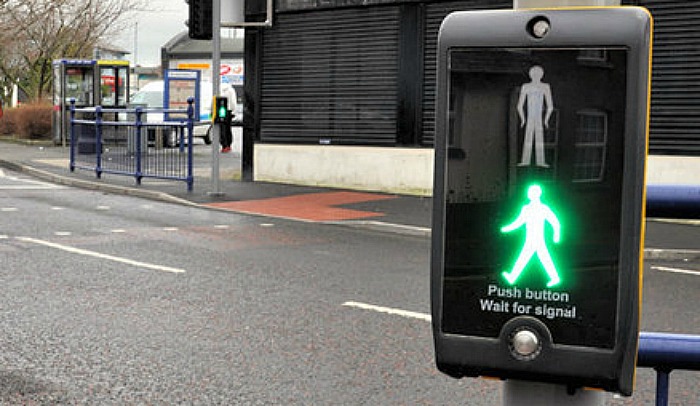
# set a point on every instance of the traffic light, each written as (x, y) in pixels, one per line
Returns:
(200, 19)
(220, 109)
(541, 125)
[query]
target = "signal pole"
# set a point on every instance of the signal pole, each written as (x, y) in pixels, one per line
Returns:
(216, 89)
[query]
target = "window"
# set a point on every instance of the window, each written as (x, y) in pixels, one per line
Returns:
(594, 57)
(591, 141)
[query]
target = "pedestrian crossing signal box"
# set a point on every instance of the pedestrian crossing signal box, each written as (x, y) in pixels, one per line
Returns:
(541, 139)
(220, 109)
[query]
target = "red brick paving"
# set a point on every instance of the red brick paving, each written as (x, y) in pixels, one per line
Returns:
(309, 207)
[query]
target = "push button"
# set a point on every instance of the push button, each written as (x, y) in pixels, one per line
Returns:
(525, 344)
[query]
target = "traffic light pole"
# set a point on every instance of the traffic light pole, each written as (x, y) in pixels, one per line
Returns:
(216, 90)
(519, 393)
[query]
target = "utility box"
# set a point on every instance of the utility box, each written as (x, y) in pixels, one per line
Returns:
(541, 139)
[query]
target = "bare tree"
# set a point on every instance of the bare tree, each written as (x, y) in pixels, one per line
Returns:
(35, 32)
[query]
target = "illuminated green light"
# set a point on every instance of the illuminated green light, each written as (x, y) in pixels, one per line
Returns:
(534, 216)
(222, 112)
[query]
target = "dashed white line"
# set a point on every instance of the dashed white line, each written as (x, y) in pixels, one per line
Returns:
(103, 208)
(98, 255)
(62, 233)
(389, 310)
(9, 209)
(676, 270)
(169, 229)
(222, 226)
(118, 231)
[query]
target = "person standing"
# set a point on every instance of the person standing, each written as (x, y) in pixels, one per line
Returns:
(227, 135)
(537, 94)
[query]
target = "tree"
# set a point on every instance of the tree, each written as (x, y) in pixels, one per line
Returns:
(35, 32)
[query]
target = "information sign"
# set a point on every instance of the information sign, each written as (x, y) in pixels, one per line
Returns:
(180, 85)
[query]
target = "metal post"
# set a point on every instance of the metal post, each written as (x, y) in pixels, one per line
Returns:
(519, 393)
(662, 386)
(216, 89)
(98, 141)
(562, 3)
(190, 147)
(139, 147)
(73, 138)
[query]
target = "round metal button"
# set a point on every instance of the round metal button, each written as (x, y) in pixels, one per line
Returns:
(526, 343)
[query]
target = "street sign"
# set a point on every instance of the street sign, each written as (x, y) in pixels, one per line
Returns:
(541, 136)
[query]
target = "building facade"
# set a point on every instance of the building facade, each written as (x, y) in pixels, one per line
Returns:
(361, 73)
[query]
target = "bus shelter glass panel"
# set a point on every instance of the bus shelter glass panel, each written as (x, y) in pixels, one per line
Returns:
(79, 85)
(114, 86)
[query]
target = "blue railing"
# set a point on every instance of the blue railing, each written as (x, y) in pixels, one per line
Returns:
(680, 201)
(122, 142)
(667, 352)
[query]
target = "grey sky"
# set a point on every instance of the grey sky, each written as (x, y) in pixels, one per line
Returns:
(152, 29)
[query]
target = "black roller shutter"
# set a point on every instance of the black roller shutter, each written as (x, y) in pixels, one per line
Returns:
(330, 77)
(675, 90)
(435, 13)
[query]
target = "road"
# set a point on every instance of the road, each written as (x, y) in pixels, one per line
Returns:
(117, 300)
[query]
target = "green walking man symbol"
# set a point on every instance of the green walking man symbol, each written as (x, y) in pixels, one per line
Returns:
(534, 216)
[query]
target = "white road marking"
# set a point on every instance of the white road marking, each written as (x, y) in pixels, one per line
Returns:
(678, 221)
(389, 310)
(118, 231)
(33, 187)
(3, 237)
(102, 208)
(98, 255)
(382, 225)
(63, 233)
(57, 208)
(267, 225)
(221, 226)
(9, 209)
(169, 228)
(676, 270)
(36, 184)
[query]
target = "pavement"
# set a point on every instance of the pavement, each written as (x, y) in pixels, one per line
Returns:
(388, 212)
(666, 239)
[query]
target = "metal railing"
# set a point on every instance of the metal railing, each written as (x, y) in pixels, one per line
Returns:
(680, 201)
(122, 142)
(667, 352)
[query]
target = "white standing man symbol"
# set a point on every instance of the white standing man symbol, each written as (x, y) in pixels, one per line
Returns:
(537, 94)
(534, 216)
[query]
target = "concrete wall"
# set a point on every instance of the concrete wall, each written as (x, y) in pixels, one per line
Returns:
(402, 170)
(394, 170)
(673, 170)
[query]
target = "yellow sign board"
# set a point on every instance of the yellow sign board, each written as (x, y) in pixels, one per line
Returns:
(193, 66)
